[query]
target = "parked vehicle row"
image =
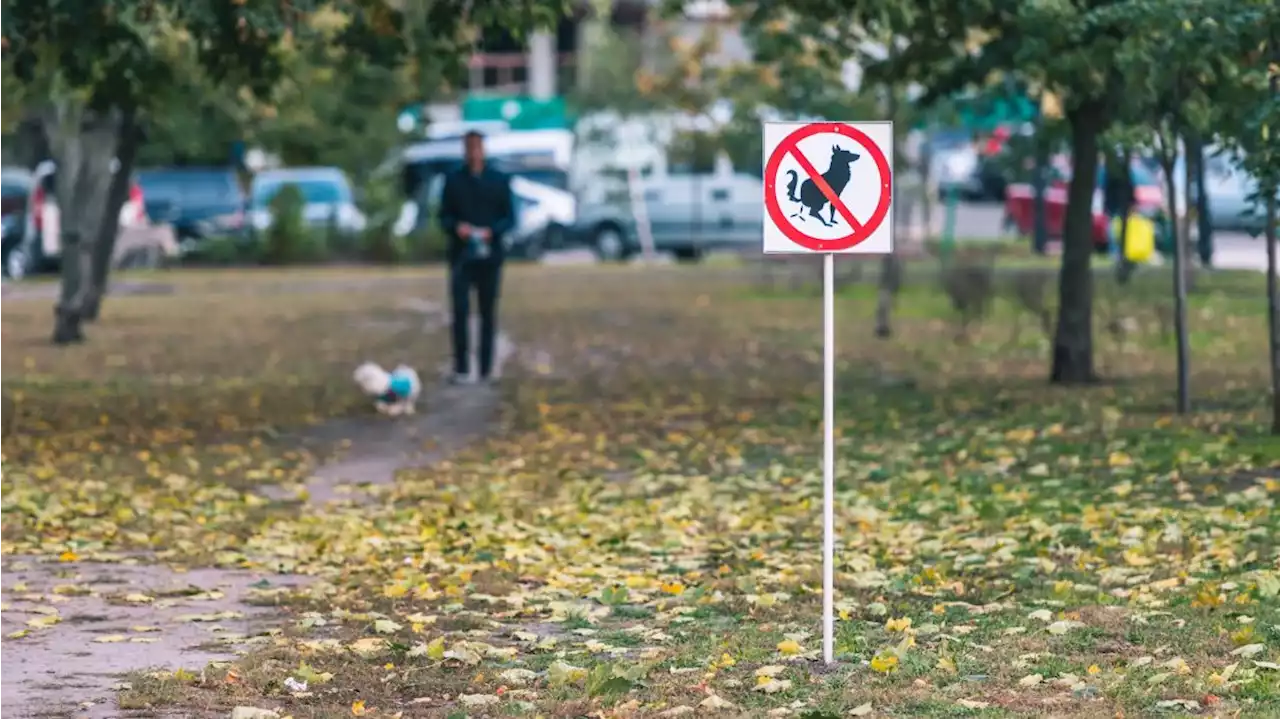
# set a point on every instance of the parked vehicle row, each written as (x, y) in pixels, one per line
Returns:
(1020, 202)
(1227, 189)
(199, 203)
(687, 213)
(32, 220)
(972, 169)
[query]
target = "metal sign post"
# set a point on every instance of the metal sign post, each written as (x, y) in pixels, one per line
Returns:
(842, 209)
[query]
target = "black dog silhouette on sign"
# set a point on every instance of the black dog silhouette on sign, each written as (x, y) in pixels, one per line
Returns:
(837, 176)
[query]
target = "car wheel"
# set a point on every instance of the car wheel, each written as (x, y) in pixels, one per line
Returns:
(688, 255)
(610, 243)
(17, 264)
(532, 248)
(555, 238)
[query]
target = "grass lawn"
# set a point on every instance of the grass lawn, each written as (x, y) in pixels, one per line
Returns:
(642, 536)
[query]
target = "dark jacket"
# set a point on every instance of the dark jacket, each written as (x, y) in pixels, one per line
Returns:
(482, 200)
(1118, 190)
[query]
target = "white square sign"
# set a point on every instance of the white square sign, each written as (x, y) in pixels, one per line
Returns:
(828, 187)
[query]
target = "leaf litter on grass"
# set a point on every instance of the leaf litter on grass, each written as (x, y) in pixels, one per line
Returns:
(138, 455)
(680, 464)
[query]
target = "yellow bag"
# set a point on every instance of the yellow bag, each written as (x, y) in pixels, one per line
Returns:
(1139, 237)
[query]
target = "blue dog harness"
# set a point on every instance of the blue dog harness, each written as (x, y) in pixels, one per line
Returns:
(397, 389)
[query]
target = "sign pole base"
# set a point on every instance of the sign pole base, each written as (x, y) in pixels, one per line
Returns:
(828, 456)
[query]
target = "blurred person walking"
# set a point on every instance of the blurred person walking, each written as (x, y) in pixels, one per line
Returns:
(476, 210)
(1118, 200)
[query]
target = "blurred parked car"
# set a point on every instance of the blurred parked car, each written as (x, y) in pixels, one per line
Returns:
(16, 183)
(974, 169)
(1227, 187)
(40, 245)
(326, 192)
(994, 162)
(544, 216)
(1020, 202)
(199, 202)
(689, 214)
(955, 169)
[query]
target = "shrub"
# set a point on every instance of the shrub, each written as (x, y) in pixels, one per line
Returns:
(428, 243)
(970, 284)
(288, 240)
(380, 244)
(382, 204)
(225, 250)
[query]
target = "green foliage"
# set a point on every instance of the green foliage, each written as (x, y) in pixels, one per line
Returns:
(429, 244)
(611, 60)
(381, 246)
(123, 53)
(615, 596)
(693, 152)
(224, 251)
(799, 64)
(289, 240)
(289, 76)
(378, 242)
(334, 108)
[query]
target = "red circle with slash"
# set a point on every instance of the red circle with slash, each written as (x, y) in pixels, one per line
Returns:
(861, 231)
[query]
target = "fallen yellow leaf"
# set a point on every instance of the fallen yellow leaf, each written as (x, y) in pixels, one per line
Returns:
(900, 624)
(789, 647)
(884, 662)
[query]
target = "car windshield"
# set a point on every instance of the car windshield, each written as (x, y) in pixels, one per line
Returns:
(315, 191)
(189, 187)
(420, 175)
(1142, 176)
(558, 179)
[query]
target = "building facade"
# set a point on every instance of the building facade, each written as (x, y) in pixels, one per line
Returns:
(550, 63)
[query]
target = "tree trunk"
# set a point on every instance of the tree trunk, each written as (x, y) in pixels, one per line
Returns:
(1039, 180)
(890, 279)
(1124, 268)
(32, 142)
(1178, 226)
(1204, 218)
(1073, 340)
(1273, 307)
(889, 269)
(84, 144)
(927, 193)
(1272, 300)
(109, 229)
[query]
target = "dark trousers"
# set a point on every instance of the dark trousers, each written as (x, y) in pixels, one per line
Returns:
(484, 276)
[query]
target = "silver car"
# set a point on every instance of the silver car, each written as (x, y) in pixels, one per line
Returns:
(325, 190)
(1227, 187)
(687, 214)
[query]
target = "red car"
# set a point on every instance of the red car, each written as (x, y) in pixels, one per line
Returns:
(1019, 203)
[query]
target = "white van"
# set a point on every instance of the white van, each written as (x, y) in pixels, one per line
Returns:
(545, 216)
(538, 162)
(542, 156)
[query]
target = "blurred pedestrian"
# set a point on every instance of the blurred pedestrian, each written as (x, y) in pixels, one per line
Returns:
(1118, 200)
(476, 210)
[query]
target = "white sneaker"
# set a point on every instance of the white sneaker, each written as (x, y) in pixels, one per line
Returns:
(461, 379)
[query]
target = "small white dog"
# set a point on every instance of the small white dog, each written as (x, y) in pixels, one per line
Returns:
(394, 392)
